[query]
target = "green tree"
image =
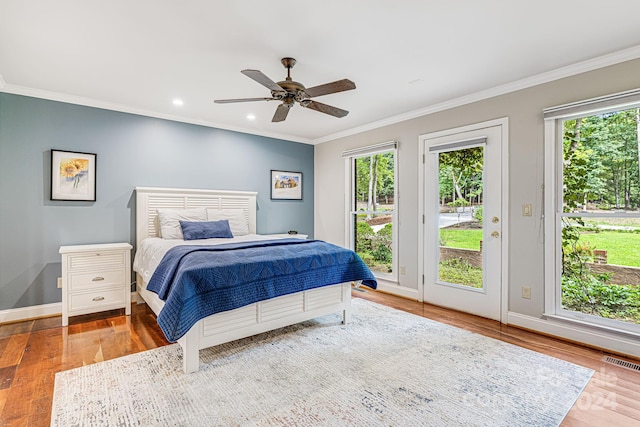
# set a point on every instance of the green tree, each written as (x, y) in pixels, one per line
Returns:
(601, 160)
(374, 176)
(461, 172)
(362, 177)
(386, 177)
(576, 166)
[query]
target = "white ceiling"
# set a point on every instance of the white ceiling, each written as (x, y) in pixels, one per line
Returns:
(405, 56)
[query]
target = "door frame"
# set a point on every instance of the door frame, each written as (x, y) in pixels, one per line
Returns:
(504, 151)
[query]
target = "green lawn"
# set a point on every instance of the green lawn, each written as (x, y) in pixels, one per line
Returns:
(621, 302)
(622, 248)
(461, 272)
(463, 239)
(627, 222)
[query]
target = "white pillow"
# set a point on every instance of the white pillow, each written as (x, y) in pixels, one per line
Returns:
(170, 220)
(237, 220)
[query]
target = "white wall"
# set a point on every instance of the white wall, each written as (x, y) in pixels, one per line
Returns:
(526, 147)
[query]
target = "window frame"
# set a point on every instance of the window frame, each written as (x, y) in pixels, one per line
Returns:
(350, 210)
(554, 119)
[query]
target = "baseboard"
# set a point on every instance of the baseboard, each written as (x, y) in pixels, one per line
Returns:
(31, 312)
(395, 289)
(576, 333)
(36, 311)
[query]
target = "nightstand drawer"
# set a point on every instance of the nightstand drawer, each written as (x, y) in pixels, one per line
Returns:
(96, 300)
(96, 260)
(86, 281)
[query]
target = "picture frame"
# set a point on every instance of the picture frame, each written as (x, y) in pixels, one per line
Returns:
(286, 185)
(73, 176)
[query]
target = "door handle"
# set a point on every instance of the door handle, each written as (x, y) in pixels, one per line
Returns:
(495, 234)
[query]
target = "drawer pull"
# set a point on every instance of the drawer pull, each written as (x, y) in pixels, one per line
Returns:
(97, 299)
(97, 279)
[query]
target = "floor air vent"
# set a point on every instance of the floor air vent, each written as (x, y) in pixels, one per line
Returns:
(623, 363)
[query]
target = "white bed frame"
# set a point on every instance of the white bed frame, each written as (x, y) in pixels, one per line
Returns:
(245, 321)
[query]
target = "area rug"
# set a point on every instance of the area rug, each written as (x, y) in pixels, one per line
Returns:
(387, 368)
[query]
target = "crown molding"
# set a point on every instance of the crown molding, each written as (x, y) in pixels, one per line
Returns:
(87, 102)
(568, 71)
(557, 74)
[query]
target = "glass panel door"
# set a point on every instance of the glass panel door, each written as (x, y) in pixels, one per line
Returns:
(463, 242)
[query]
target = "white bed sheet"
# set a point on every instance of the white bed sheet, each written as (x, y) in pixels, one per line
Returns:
(153, 249)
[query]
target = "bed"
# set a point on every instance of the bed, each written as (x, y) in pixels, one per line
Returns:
(250, 318)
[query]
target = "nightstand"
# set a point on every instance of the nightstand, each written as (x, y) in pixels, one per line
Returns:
(95, 278)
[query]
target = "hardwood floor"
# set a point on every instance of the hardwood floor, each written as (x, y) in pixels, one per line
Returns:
(31, 352)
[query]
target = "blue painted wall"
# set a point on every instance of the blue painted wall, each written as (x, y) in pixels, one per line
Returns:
(131, 151)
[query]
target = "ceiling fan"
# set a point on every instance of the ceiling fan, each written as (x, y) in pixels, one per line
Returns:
(290, 92)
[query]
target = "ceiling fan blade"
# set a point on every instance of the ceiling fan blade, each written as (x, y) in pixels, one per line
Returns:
(325, 89)
(324, 108)
(228, 101)
(281, 113)
(263, 80)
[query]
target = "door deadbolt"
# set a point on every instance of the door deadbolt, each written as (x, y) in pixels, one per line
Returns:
(495, 220)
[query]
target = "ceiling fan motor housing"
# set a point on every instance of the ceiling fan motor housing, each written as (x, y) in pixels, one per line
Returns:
(293, 89)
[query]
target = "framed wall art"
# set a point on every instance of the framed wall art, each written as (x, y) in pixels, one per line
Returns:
(286, 185)
(73, 176)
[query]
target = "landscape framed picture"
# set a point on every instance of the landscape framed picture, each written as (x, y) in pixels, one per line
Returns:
(286, 185)
(73, 176)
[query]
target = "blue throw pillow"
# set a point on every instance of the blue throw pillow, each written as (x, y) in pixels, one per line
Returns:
(205, 229)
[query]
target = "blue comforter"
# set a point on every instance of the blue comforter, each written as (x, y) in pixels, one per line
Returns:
(198, 281)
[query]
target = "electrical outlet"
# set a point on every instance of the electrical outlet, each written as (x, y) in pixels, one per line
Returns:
(60, 282)
(403, 270)
(526, 292)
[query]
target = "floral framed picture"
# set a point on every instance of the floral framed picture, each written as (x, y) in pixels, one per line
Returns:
(286, 185)
(73, 176)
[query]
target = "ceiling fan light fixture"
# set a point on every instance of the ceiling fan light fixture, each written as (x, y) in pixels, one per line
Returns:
(289, 92)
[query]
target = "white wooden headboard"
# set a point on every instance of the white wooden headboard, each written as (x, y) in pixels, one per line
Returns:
(149, 199)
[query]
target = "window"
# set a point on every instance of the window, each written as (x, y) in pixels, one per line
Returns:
(371, 204)
(593, 212)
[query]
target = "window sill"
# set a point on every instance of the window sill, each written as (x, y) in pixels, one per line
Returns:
(591, 326)
(589, 335)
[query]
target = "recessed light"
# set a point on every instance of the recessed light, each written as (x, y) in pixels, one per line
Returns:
(251, 116)
(178, 102)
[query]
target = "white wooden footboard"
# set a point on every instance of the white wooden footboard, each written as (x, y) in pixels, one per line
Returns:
(262, 317)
